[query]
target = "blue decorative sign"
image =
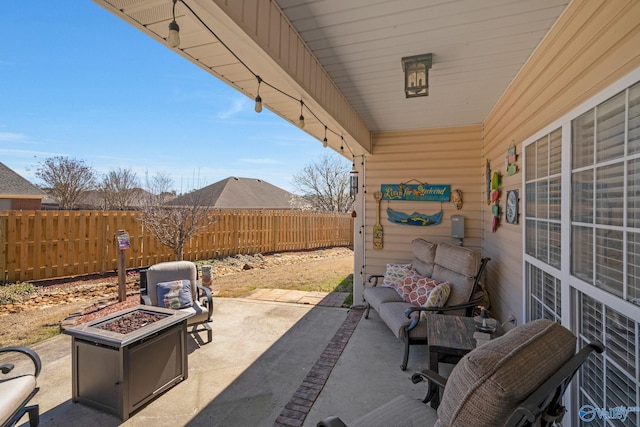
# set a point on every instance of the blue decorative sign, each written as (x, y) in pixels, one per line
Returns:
(416, 192)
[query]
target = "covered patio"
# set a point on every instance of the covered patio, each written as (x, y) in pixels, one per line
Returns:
(270, 363)
(553, 83)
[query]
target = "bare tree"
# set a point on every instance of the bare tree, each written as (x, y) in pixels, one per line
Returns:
(119, 188)
(172, 226)
(66, 179)
(324, 184)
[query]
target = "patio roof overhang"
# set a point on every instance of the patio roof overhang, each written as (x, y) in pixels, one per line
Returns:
(343, 60)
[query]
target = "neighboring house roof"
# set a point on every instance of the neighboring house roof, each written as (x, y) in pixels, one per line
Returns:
(236, 192)
(13, 185)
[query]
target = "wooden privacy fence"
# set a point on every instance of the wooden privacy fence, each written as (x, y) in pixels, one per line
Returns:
(38, 245)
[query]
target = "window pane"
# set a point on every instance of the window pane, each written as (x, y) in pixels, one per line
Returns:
(531, 238)
(633, 268)
(610, 136)
(609, 261)
(610, 194)
(621, 340)
(542, 252)
(543, 157)
(582, 253)
(555, 152)
(554, 245)
(542, 198)
(582, 197)
(531, 162)
(531, 199)
(634, 120)
(555, 198)
(582, 140)
(633, 193)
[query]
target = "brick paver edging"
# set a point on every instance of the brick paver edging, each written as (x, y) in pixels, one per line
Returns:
(295, 412)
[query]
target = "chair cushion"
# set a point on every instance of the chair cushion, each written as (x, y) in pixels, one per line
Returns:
(378, 295)
(488, 384)
(15, 393)
(175, 294)
(403, 411)
(167, 272)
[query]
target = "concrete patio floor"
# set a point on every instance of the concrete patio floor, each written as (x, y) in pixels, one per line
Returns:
(266, 365)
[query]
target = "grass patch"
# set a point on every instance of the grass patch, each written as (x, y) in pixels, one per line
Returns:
(12, 293)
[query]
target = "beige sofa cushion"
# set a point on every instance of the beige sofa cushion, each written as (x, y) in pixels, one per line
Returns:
(488, 384)
(424, 256)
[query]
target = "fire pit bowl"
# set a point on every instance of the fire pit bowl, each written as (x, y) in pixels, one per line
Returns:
(124, 360)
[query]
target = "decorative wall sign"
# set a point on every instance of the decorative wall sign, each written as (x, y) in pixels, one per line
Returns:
(414, 219)
(494, 199)
(511, 214)
(510, 160)
(488, 178)
(416, 192)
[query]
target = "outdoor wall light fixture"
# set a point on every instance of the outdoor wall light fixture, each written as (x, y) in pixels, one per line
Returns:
(174, 30)
(301, 119)
(416, 75)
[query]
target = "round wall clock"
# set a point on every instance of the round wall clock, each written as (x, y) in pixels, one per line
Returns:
(511, 211)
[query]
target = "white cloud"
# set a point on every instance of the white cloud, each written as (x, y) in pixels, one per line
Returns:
(12, 136)
(235, 107)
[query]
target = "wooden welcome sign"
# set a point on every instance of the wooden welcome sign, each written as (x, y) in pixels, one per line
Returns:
(416, 192)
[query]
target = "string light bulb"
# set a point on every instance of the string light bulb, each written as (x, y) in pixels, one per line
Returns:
(341, 143)
(324, 141)
(301, 119)
(174, 29)
(258, 98)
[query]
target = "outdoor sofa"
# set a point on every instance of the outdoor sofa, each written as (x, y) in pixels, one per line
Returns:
(399, 297)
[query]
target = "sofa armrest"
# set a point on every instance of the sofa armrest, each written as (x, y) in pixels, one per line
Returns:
(374, 279)
(37, 364)
(409, 311)
(204, 294)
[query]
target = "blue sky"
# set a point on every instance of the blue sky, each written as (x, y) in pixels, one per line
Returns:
(77, 81)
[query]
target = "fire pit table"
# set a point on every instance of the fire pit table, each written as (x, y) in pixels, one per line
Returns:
(124, 360)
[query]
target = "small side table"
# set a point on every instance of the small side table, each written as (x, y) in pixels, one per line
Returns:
(449, 338)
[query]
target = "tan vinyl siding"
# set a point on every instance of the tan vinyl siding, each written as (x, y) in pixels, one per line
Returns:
(593, 44)
(434, 156)
(267, 26)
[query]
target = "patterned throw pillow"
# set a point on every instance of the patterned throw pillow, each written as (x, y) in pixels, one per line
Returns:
(394, 275)
(175, 295)
(416, 288)
(437, 298)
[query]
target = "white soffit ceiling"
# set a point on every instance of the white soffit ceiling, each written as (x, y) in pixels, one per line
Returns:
(478, 47)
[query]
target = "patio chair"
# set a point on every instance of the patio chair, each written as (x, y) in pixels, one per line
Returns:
(518, 379)
(17, 390)
(161, 279)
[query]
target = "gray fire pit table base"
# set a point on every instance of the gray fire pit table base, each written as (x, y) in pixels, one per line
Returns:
(119, 373)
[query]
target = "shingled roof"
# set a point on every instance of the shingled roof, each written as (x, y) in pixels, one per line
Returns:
(13, 185)
(243, 193)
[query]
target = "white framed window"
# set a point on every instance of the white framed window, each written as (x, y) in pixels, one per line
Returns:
(582, 255)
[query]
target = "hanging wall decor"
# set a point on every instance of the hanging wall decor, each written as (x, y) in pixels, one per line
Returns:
(511, 209)
(414, 218)
(416, 192)
(494, 198)
(488, 178)
(510, 160)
